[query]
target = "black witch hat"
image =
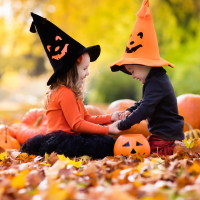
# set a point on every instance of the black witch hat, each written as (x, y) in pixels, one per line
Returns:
(61, 49)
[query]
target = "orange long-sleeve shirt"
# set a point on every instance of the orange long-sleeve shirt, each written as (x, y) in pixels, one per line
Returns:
(65, 113)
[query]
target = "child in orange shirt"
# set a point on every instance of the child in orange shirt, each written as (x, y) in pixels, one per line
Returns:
(71, 130)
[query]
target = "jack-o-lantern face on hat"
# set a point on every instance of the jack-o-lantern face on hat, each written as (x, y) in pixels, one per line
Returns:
(142, 47)
(58, 49)
(134, 47)
(131, 144)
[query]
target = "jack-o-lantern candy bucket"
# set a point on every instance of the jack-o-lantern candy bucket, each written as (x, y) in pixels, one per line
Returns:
(130, 144)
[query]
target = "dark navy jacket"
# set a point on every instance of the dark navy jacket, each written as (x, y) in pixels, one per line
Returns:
(159, 106)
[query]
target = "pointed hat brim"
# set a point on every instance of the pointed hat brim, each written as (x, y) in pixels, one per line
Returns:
(119, 65)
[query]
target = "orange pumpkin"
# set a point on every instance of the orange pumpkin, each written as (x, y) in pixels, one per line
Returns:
(119, 105)
(8, 142)
(130, 144)
(33, 123)
(189, 107)
(122, 105)
(10, 131)
(94, 110)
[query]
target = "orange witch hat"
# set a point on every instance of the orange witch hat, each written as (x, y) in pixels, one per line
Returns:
(142, 47)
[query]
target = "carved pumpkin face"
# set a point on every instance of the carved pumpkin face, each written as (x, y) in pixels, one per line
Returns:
(58, 49)
(131, 144)
(134, 47)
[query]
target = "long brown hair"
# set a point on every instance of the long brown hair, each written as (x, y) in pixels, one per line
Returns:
(69, 80)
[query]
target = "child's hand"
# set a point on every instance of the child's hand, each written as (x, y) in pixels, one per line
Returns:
(113, 128)
(124, 114)
(116, 116)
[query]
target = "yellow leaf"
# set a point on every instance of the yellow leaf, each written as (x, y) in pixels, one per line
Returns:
(56, 193)
(70, 162)
(45, 164)
(157, 197)
(188, 143)
(3, 155)
(62, 157)
(157, 160)
(195, 168)
(76, 164)
(46, 156)
(19, 181)
(23, 157)
(86, 157)
(137, 183)
(78, 173)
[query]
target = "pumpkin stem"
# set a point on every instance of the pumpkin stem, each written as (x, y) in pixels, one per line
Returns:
(5, 131)
(188, 125)
(37, 122)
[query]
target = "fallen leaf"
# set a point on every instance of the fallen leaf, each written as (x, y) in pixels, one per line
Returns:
(24, 157)
(10, 171)
(46, 156)
(70, 162)
(38, 158)
(3, 155)
(1, 150)
(19, 181)
(54, 192)
(45, 164)
(195, 168)
(89, 169)
(86, 157)
(52, 172)
(34, 178)
(14, 154)
(184, 180)
(52, 158)
(189, 143)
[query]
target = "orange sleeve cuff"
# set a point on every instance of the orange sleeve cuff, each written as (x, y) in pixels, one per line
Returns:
(99, 119)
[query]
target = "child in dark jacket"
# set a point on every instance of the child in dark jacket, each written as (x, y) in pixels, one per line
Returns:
(159, 103)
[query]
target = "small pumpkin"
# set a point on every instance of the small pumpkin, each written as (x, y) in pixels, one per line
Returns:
(188, 107)
(33, 123)
(94, 110)
(9, 142)
(6, 140)
(122, 105)
(10, 130)
(130, 144)
(192, 133)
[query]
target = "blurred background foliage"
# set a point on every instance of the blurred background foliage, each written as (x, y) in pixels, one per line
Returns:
(25, 68)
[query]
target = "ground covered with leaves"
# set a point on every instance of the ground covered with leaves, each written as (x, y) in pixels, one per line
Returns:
(54, 176)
